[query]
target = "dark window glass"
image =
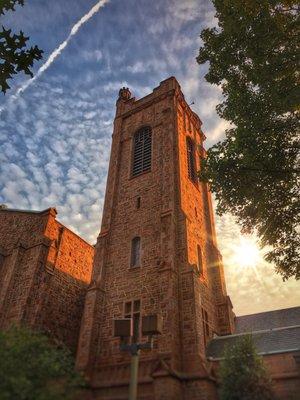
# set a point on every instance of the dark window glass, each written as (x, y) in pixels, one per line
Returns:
(132, 310)
(138, 202)
(135, 251)
(128, 308)
(136, 305)
(142, 148)
(191, 160)
(136, 327)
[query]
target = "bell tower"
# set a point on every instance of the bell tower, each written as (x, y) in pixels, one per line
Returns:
(156, 254)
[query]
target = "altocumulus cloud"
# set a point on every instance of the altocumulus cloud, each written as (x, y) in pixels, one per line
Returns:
(58, 159)
(55, 137)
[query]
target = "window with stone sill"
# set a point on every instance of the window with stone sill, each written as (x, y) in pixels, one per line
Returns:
(142, 151)
(132, 309)
(135, 258)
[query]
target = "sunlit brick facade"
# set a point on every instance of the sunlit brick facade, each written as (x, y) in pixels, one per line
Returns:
(180, 273)
(45, 269)
(156, 254)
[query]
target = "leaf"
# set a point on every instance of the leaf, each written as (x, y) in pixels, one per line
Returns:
(254, 172)
(16, 58)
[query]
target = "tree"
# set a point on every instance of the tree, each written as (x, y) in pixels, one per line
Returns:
(14, 56)
(243, 374)
(254, 171)
(32, 368)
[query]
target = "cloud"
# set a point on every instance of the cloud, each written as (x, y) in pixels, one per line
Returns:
(57, 163)
(62, 46)
(55, 138)
(92, 55)
(218, 131)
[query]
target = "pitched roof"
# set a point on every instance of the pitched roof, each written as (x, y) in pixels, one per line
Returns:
(272, 332)
(268, 320)
(278, 340)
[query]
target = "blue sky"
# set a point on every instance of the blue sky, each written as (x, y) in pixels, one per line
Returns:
(55, 136)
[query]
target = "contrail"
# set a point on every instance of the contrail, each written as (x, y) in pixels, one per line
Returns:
(60, 48)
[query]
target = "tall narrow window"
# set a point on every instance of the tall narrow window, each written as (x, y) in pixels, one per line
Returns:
(142, 148)
(206, 329)
(135, 252)
(133, 310)
(200, 260)
(138, 202)
(191, 159)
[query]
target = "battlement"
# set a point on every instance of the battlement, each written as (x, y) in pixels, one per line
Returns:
(127, 105)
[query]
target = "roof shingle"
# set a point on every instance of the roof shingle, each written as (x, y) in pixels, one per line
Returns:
(266, 342)
(268, 320)
(272, 332)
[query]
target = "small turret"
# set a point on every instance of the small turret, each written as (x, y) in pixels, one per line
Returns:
(124, 94)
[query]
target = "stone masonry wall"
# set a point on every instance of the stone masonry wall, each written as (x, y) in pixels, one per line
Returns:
(44, 273)
(171, 220)
(69, 267)
(284, 372)
(147, 283)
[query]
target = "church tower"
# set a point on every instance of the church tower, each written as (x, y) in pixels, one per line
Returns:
(156, 254)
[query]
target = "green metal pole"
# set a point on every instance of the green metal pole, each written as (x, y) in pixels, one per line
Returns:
(134, 368)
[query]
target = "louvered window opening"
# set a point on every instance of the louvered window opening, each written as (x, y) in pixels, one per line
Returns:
(191, 160)
(142, 148)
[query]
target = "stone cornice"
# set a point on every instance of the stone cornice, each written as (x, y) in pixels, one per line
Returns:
(136, 107)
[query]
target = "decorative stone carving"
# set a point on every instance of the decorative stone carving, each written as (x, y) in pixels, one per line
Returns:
(124, 94)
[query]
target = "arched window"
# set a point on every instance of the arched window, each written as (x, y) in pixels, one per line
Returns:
(190, 148)
(135, 252)
(142, 147)
(200, 260)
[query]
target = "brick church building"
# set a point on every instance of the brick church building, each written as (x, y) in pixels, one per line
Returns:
(156, 254)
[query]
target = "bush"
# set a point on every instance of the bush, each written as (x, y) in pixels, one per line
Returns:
(243, 374)
(33, 368)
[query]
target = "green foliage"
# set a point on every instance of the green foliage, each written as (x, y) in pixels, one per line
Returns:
(14, 56)
(243, 374)
(32, 368)
(254, 172)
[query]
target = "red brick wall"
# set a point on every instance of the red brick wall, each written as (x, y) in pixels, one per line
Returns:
(284, 372)
(154, 283)
(167, 281)
(44, 274)
(20, 225)
(69, 267)
(25, 248)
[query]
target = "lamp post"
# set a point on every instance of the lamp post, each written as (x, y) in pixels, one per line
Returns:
(123, 328)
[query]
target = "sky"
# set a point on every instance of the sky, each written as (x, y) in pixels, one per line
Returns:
(55, 131)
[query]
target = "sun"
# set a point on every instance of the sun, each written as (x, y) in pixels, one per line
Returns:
(246, 253)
